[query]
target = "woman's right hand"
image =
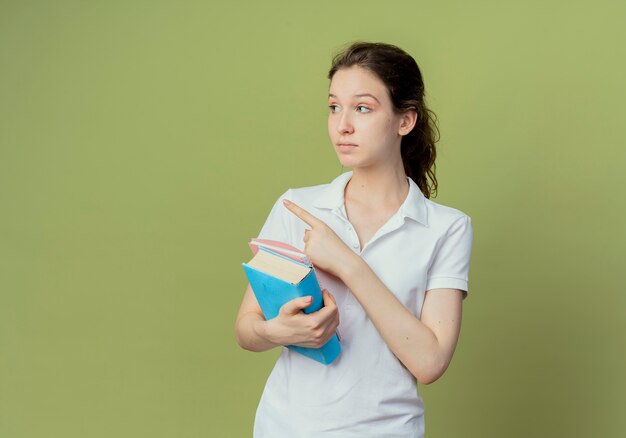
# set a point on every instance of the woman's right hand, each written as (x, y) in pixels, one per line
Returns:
(294, 327)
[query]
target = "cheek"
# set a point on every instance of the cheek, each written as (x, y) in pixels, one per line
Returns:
(393, 127)
(333, 122)
(385, 128)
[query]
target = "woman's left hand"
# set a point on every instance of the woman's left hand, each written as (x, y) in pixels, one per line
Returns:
(321, 244)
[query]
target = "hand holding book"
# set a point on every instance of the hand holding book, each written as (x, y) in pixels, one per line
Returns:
(293, 327)
(281, 283)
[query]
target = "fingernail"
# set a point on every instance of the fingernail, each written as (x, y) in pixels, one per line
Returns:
(308, 299)
(286, 202)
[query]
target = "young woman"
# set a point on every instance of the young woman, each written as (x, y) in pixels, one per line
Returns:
(394, 265)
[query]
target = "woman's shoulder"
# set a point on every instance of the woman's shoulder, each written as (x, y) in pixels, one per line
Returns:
(440, 215)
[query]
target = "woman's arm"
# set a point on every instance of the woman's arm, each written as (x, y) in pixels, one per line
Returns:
(290, 327)
(425, 346)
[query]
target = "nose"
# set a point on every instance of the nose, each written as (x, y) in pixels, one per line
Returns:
(344, 123)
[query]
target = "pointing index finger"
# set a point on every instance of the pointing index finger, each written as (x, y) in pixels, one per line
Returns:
(302, 213)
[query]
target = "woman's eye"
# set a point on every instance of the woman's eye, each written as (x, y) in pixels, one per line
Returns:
(363, 109)
(333, 108)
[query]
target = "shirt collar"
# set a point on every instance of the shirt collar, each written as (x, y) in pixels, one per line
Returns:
(332, 197)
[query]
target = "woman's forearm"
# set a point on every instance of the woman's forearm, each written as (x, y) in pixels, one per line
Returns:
(412, 341)
(251, 334)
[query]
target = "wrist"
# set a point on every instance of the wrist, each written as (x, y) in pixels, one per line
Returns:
(351, 266)
(262, 330)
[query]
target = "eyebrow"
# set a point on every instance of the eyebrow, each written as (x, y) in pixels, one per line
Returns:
(360, 95)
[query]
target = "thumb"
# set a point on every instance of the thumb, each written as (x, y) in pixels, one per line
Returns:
(328, 298)
(296, 305)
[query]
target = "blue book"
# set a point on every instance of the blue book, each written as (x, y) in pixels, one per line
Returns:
(276, 276)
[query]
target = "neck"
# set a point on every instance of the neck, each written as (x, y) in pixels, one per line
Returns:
(378, 186)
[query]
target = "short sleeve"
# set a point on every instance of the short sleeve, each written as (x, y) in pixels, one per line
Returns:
(276, 225)
(451, 262)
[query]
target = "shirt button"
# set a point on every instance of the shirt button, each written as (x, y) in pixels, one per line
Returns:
(356, 245)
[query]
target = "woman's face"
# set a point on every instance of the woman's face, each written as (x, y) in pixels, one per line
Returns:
(362, 125)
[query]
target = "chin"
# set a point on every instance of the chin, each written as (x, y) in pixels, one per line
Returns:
(351, 161)
(347, 162)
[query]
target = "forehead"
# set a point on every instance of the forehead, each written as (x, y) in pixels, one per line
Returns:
(355, 80)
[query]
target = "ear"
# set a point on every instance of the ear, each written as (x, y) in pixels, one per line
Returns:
(407, 122)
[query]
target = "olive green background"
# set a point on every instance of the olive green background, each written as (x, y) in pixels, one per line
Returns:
(143, 142)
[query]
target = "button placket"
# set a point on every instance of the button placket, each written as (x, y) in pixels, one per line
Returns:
(350, 300)
(353, 238)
